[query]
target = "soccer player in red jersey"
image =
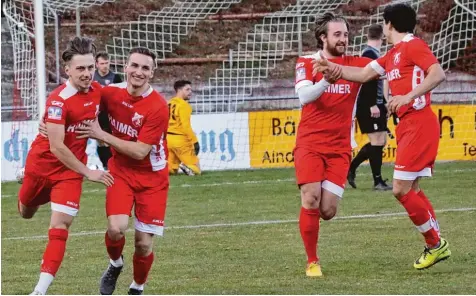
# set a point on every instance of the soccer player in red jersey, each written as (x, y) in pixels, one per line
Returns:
(138, 116)
(323, 144)
(412, 72)
(55, 166)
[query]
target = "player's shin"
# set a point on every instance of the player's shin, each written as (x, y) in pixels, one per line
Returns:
(52, 258)
(420, 216)
(309, 228)
(114, 249)
(429, 206)
(142, 265)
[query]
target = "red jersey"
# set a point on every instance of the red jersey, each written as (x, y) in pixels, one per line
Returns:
(145, 119)
(406, 65)
(68, 107)
(326, 123)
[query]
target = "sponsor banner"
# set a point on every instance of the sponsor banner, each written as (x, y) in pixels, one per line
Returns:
(224, 140)
(16, 141)
(272, 138)
(457, 134)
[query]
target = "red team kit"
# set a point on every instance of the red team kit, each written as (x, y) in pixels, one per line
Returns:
(323, 142)
(144, 182)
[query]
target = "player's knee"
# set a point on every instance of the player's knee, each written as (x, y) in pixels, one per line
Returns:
(26, 214)
(143, 247)
(115, 232)
(399, 190)
(310, 198)
(328, 213)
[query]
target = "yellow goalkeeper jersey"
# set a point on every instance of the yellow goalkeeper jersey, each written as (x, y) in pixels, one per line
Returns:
(180, 113)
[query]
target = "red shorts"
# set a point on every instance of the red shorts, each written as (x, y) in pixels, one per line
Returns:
(418, 136)
(63, 194)
(149, 202)
(330, 168)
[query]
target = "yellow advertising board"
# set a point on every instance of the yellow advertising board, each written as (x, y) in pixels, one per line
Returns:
(273, 135)
(272, 138)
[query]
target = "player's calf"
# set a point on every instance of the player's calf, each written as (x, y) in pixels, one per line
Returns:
(142, 261)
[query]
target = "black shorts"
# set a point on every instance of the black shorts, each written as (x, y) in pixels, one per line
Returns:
(368, 124)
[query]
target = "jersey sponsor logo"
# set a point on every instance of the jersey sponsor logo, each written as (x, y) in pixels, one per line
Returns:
(394, 74)
(71, 128)
(56, 103)
(55, 113)
(338, 89)
(396, 58)
(137, 119)
(88, 104)
(300, 74)
(126, 104)
(399, 166)
(123, 128)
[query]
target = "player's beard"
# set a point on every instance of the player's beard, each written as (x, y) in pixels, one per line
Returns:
(337, 50)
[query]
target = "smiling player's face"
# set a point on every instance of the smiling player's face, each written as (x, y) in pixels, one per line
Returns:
(80, 70)
(337, 38)
(139, 70)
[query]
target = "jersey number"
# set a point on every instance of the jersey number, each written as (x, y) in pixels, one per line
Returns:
(172, 111)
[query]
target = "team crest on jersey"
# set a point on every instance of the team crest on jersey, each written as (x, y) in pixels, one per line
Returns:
(55, 113)
(300, 73)
(396, 58)
(107, 81)
(137, 119)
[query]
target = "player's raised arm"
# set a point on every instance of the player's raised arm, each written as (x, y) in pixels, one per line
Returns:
(306, 89)
(356, 74)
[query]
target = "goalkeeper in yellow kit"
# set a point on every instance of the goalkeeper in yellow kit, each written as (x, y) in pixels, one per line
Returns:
(181, 140)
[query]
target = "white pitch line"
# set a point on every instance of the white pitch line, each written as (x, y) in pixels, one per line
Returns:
(188, 185)
(265, 222)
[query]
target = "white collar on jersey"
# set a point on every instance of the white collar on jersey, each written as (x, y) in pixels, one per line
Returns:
(407, 38)
(148, 92)
(69, 90)
(124, 86)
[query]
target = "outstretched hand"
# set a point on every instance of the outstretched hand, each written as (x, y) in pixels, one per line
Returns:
(99, 176)
(90, 130)
(320, 64)
(333, 75)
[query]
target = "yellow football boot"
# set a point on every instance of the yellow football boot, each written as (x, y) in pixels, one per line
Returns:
(313, 269)
(430, 257)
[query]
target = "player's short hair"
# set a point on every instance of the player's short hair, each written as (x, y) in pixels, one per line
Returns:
(78, 46)
(144, 51)
(181, 83)
(402, 17)
(322, 26)
(103, 55)
(375, 32)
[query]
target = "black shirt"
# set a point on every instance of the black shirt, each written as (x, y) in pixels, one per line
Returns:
(371, 93)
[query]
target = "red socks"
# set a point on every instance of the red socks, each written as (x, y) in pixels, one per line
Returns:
(114, 248)
(427, 202)
(309, 227)
(419, 213)
(142, 267)
(55, 249)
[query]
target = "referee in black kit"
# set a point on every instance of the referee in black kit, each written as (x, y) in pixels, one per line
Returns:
(372, 117)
